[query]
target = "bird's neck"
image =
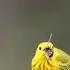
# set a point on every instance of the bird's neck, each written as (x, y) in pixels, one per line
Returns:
(41, 59)
(43, 63)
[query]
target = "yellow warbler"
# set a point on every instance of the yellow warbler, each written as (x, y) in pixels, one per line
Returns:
(48, 57)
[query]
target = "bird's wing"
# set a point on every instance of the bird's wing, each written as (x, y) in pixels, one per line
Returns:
(63, 59)
(65, 66)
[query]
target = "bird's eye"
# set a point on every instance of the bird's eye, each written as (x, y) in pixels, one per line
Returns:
(39, 48)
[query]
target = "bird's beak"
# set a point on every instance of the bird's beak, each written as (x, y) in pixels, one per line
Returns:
(49, 52)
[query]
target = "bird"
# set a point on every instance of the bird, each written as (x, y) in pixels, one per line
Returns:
(49, 57)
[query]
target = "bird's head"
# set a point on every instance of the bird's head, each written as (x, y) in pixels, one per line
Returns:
(45, 49)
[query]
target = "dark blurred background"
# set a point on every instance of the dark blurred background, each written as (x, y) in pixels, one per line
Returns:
(25, 23)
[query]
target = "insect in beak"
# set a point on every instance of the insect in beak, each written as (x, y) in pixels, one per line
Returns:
(49, 51)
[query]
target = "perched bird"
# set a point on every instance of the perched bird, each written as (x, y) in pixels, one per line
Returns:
(48, 57)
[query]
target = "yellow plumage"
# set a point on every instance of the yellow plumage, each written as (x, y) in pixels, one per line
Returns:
(48, 57)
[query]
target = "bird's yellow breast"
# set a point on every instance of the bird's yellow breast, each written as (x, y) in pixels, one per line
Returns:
(43, 64)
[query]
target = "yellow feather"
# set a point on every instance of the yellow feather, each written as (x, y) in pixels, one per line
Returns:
(42, 61)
